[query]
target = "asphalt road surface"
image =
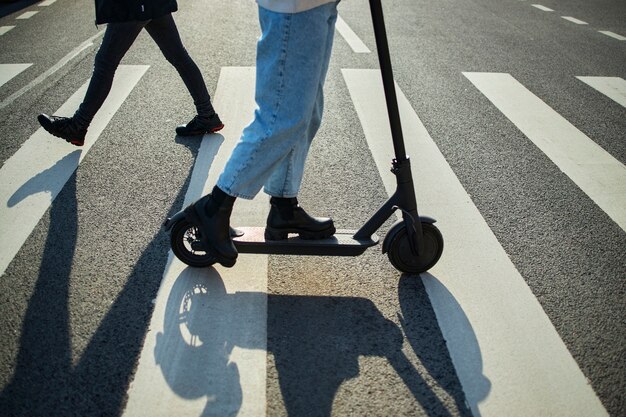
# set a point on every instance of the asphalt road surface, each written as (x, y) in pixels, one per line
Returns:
(514, 115)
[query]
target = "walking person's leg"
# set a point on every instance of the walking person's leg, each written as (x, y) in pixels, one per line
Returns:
(117, 40)
(165, 33)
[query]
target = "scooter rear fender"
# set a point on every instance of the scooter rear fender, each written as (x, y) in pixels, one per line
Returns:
(170, 221)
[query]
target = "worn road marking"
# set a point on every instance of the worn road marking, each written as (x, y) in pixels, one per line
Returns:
(27, 15)
(613, 35)
(574, 20)
(5, 29)
(544, 8)
(49, 72)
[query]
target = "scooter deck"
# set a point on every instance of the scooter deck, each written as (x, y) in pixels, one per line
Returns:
(342, 243)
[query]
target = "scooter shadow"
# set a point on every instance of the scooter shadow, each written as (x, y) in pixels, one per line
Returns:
(316, 342)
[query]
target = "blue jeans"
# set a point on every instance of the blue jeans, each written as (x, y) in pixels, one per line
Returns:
(292, 61)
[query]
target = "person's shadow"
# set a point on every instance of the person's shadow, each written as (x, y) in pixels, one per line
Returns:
(316, 342)
(46, 380)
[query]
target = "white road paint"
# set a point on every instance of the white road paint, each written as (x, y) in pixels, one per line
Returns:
(595, 171)
(205, 352)
(47, 2)
(612, 87)
(507, 354)
(32, 178)
(67, 58)
(8, 71)
(353, 40)
(613, 35)
(544, 8)
(27, 15)
(5, 29)
(574, 20)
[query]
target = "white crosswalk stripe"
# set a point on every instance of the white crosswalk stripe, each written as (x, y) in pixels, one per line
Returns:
(32, 178)
(229, 379)
(9, 71)
(595, 171)
(612, 87)
(5, 29)
(476, 291)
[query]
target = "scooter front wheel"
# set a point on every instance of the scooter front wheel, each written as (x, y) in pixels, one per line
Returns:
(401, 254)
(186, 245)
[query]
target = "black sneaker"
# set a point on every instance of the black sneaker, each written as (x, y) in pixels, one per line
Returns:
(200, 125)
(64, 128)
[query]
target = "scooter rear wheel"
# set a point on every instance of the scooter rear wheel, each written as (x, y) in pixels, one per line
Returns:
(185, 240)
(402, 257)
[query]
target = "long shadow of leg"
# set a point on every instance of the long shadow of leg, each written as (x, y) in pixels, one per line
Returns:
(43, 373)
(104, 372)
(44, 382)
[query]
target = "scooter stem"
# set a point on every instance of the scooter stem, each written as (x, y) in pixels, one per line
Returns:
(388, 83)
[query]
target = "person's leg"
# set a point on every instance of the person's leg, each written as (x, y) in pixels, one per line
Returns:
(117, 40)
(165, 33)
(286, 216)
(291, 61)
(286, 179)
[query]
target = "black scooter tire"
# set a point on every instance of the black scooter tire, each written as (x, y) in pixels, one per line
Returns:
(182, 237)
(402, 257)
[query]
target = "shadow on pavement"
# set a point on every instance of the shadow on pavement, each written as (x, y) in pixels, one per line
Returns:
(45, 382)
(316, 342)
(8, 6)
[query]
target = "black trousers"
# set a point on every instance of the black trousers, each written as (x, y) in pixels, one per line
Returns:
(118, 38)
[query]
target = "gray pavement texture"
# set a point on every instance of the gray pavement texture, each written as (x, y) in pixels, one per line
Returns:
(75, 303)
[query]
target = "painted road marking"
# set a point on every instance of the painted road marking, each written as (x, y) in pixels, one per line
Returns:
(353, 40)
(88, 43)
(544, 8)
(32, 178)
(507, 354)
(613, 35)
(574, 20)
(5, 29)
(47, 2)
(595, 171)
(8, 71)
(612, 87)
(206, 350)
(27, 15)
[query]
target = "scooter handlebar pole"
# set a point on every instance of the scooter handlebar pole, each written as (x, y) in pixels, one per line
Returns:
(388, 83)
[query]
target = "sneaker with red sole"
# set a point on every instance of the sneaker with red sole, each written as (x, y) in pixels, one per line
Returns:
(64, 128)
(200, 125)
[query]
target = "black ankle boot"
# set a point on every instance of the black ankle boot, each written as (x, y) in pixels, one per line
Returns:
(211, 214)
(286, 216)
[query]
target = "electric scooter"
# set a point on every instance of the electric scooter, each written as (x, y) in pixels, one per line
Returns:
(413, 244)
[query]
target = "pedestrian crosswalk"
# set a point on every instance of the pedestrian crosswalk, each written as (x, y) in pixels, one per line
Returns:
(31, 179)
(476, 292)
(595, 171)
